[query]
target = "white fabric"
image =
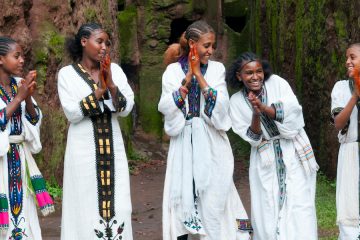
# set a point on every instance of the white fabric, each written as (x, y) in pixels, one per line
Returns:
(220, 205)
(347, 181)
(298, 216)
(29, 212)
(191, 163)
(80, 214)
(348, 232)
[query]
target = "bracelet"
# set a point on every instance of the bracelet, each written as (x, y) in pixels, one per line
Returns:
(184, 90)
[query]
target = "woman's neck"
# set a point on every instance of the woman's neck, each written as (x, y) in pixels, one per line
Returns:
(89, 65)
(4, 78)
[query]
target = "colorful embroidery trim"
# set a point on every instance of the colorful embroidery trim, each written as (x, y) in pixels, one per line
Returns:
(210, 101)
(252, 135)
(44, 200)
(104, 165)
(120, 101)
(90, 106)
(179, 101)
(194, 92)
(4, 212)
(16, 127)
(108, 235)
(3, 120)
(280, 171)
(244, 225)
(279, 111)
(15, 187)
(33, 120)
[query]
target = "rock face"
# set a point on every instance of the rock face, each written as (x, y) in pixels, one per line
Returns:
(306, 43)
(140, 30)
(304, 40)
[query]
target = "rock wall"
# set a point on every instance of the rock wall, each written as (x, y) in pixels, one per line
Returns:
(304, 40)
(306, 43)
(140, 30)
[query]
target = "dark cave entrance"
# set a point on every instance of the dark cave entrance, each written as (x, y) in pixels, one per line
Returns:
(236, 23)
(178, 26)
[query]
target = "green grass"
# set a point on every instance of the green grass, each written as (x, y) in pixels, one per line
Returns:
(134, 160)
(326, 208)
(54, 189)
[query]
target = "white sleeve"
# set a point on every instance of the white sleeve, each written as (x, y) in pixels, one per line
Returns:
(240, 122)
(288, 105)
(220, 118)
(69, 102)
(173, 116)
(121, 82)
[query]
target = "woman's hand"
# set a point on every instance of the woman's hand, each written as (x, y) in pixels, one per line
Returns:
(194, 61)
(27, 86)
(257, 105)
(105, 71)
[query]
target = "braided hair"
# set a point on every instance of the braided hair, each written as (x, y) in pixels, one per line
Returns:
(240, 62)
(73, 45)
(354, 45)
(180, 50)
(5, 45)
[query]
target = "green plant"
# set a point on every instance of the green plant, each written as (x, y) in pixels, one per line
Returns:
(53, 188)
(326, 207)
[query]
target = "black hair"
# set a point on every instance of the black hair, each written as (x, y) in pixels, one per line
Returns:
(180, 51)
(73, 45)
(195, 30)
(243, 59)
(5, 45)
(354, 45)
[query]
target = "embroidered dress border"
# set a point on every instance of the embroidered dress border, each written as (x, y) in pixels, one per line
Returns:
(3, 120)
(120, 101)
(279, 111)
(210, 101)
(179, 101)
(273, 131)
(335, 112)
(105, 165)
(90, 105)
(33, 120)
(194, 91)
(266, 121)
(244, 225)
(252, 135)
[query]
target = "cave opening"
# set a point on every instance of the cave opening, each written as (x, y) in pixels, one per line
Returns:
(236, 23)
(178, 26)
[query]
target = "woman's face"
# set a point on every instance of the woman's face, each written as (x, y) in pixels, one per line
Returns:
(205, 46)
(13, 61)
(252, 75)
(96, 45)
(352, 59)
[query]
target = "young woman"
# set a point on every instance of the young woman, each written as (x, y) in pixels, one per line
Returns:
(266, 113)
(344, 109)
(93, 93)
(200, 197)
(20, 179)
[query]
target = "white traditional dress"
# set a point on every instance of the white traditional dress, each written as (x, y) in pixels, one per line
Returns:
(200, 198)
(96, 190)
(282, 165)
(347, 181)
(20, 180)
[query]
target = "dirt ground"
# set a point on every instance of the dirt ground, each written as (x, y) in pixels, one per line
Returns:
(146, 189)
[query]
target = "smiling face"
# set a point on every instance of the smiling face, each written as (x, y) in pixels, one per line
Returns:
(252, 75)
(96, 45)
(352, 59)
(13, 62)
(205, 46)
